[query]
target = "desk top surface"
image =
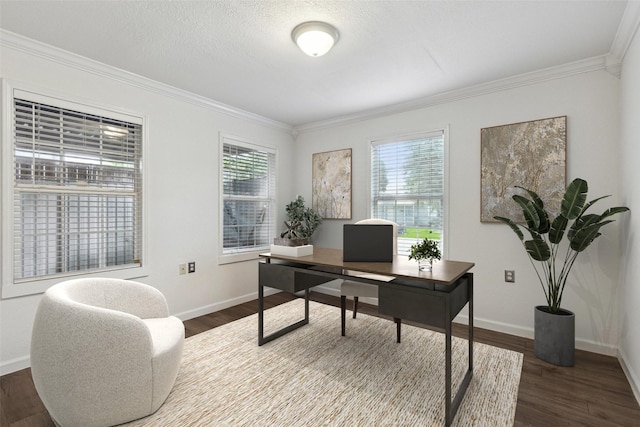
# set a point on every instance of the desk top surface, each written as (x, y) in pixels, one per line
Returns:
(443, 272)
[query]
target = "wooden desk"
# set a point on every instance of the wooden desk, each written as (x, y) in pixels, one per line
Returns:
(432, 298)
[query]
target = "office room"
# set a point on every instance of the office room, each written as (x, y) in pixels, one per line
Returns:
(188, 115)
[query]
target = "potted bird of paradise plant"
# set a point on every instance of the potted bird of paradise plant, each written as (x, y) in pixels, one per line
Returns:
(555, 326)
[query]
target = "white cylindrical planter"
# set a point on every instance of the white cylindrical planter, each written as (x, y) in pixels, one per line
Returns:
(555, 336)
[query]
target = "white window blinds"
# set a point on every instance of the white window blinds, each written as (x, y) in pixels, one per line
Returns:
(407, 186)
(77, 200)
(248, 188)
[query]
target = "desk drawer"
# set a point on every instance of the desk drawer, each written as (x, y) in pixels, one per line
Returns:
(412, 305)
(428, 308)
(283, 277)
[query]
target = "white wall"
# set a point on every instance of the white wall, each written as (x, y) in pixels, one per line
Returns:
(630, 271)
(590, 102)
(181, 191)
(182, 195)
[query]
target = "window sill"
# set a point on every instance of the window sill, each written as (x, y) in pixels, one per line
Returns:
(240, 257)
(39, 286)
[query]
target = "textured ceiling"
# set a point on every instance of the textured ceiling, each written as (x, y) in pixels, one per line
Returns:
(240, 52)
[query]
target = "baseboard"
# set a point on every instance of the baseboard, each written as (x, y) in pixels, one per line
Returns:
(25, 361)
(201, 311)
(14, 365)
(581, 344)
(492, 325)
(596, 347)
(462, 318)
(632, 376)
(505, 328)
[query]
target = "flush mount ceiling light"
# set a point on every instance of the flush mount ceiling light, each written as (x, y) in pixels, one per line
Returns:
(315, 38)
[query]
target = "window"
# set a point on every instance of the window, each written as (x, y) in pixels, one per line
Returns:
(248, 196)
(408, 186)
(77, 189)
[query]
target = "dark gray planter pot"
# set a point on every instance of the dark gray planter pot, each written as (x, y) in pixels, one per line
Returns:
(555, 336)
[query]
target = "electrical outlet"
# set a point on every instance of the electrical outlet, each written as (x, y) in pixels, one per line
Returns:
(192, 267)
(183, 268)
(510, 276)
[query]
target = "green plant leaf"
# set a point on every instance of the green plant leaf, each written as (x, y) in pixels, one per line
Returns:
(538, 204)
(529, 211)
(513, 225)
(588, 205)
(574, 199)
(581, 223)
(612, 211)
(558, 226)
(534, 197)
(587, 228)
(538, 249)
(586, 236)
(426, 249)
(303, 221)
(543, 216)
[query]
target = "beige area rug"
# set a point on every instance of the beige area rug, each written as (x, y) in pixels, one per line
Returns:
(314, 377)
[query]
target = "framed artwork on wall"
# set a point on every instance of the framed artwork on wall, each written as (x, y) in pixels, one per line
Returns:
(528, 154)
(331, 184)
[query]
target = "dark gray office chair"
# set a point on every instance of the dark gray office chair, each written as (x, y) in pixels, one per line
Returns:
(358, 289)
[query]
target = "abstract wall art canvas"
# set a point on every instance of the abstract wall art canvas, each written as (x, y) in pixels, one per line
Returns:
(331, 184)
(529, 154)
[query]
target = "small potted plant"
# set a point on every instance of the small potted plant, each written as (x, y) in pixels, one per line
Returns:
(425, 252)
(300, 225)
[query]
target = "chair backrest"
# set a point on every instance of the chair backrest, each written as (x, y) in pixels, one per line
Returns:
(374, 221)
(127, 296)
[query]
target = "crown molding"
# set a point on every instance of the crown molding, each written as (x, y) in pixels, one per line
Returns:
(526, 79)
(612, 63)
(35, 48)
(624, 36)
(626, 32)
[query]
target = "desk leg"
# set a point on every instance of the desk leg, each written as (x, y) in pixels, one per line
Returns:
(261, 338)
(449, 412)
(260, 314)
(306, 304)
(470, 282)
(451, 406)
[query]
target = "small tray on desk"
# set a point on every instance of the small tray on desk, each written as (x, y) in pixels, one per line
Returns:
(294, 251)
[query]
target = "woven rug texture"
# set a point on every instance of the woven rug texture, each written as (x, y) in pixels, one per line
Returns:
(315, 377)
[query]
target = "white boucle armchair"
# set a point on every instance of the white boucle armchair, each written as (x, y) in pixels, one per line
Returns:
(104, 351)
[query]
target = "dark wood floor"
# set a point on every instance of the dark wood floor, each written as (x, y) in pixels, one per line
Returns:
(594, 392)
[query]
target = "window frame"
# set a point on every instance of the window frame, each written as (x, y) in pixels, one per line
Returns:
(38, 284)
(252, 253)
(412, 136)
